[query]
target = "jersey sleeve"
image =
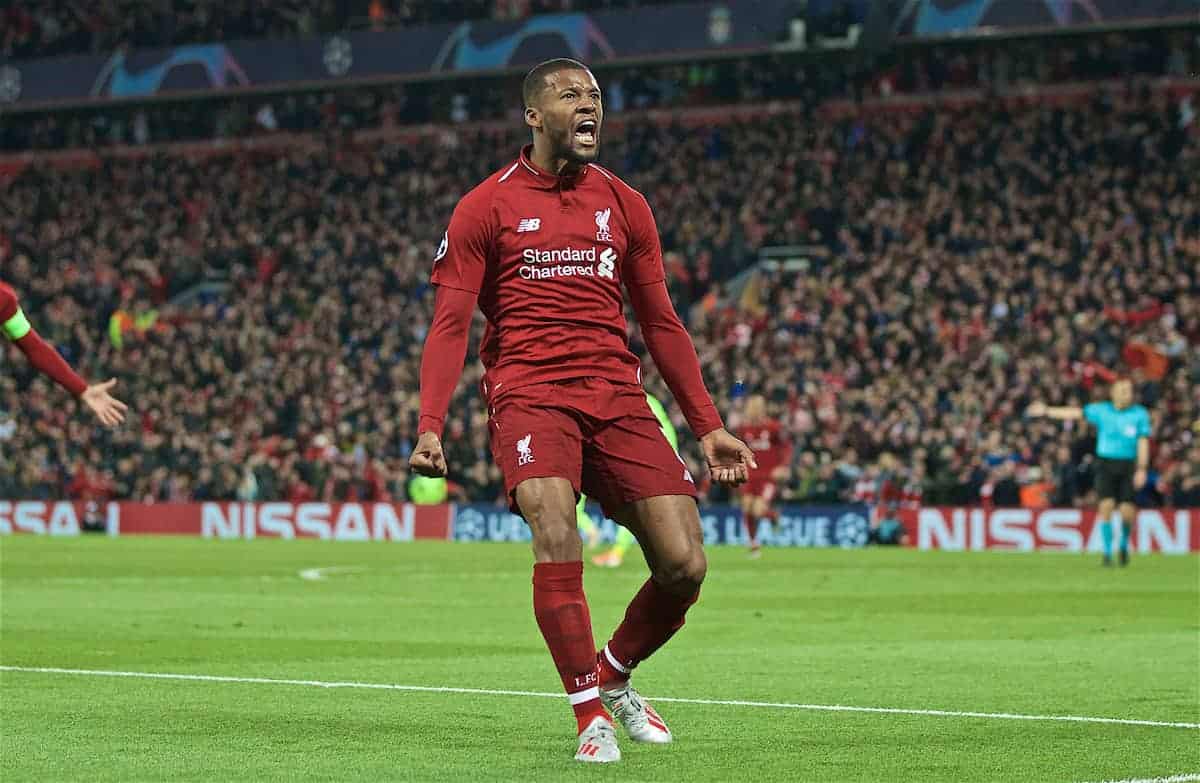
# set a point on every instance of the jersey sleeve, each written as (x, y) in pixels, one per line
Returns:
(8, 302)
(643, 260)
(462, 257)
(1094, 412)
(1143, 425)
(13, 323)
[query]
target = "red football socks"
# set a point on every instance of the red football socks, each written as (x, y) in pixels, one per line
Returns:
(562, 615)
(653, 617)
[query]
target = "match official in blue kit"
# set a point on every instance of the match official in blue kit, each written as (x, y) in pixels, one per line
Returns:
(1122, 457)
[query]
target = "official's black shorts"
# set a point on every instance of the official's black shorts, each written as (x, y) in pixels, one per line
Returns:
(1114, 479)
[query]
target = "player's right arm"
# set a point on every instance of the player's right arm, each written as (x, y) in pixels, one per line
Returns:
(1061, 412)
(45, 359)
(458, 270)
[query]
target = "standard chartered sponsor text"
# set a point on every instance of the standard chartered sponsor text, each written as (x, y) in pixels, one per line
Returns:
(568, 262)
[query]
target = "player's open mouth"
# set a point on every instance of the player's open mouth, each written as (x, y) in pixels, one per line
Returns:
(585, 133)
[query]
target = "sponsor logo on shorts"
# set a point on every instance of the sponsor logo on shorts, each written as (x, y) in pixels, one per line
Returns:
(687, 475)
(524, 450)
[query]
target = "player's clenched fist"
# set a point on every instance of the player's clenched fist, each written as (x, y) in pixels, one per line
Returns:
(427, 458)
(729, 460)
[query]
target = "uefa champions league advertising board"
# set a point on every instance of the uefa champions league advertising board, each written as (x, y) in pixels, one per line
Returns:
(845, 526)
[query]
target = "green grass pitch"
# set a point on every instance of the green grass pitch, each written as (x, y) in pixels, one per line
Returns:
(974, 632)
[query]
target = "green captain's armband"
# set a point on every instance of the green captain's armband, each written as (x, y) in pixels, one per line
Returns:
(17, 327)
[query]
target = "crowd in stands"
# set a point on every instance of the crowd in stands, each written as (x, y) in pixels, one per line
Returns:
(987, 65)
(265, 311)
(46, 28)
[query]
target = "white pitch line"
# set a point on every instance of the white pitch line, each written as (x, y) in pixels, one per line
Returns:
(1184, 778)
(318, 574)
(381, 686)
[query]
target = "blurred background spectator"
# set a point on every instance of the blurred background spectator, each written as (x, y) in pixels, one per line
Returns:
(265, 309)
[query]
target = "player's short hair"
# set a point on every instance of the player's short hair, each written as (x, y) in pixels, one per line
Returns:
(535, 80)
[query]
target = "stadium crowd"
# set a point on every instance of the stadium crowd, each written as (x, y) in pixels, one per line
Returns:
(984, 65)
(265, 311)
(48, 28)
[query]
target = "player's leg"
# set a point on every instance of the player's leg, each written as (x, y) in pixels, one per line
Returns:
(539, 450)
(747, 501)
(561, 610)
(758, 509)
(1104, 513)
(631, 468)
(770, 512)
(1126, 493)
(1128, 513)
(587, 526)
(1108, 490)
(615, 556)
(668, 528)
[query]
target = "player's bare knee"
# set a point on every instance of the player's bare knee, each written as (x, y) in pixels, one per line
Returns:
(557, 542)
(684, 574)
(549, 509)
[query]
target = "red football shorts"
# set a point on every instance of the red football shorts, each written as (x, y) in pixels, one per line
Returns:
(760, 487)
(599, 435)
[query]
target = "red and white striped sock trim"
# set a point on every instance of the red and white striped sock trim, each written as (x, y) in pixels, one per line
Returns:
(585, 695)
(613, 662)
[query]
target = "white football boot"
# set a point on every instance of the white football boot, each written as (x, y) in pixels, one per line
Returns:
(598, 742)
(640, 720)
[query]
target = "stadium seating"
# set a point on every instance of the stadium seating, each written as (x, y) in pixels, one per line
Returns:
(963, 260)
(55, 27)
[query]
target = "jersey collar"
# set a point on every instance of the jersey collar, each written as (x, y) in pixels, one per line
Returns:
(546, 179)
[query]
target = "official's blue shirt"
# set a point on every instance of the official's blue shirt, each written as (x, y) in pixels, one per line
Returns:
(1118, 430)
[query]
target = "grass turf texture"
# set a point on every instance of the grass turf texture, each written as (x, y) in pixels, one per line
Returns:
(1037, 634)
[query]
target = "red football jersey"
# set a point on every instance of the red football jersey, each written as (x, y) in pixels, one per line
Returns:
(548, 257)
(771, 448)
(8, 302)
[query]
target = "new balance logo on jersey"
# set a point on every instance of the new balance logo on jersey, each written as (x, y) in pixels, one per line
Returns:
(524, 450)
(529, 224)
(602, 232)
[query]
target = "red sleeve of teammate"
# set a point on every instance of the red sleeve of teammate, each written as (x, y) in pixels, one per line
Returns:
(668, 341)
(8, 303)
(458, 271)
(40, 353)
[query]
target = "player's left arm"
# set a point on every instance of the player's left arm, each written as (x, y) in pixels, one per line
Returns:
(672, 350)
(45, 359)
(1143, 452)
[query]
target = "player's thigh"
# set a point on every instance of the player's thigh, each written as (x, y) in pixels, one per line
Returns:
(1128, 511)
(534, 439)
(672, 539)
(627, 458)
